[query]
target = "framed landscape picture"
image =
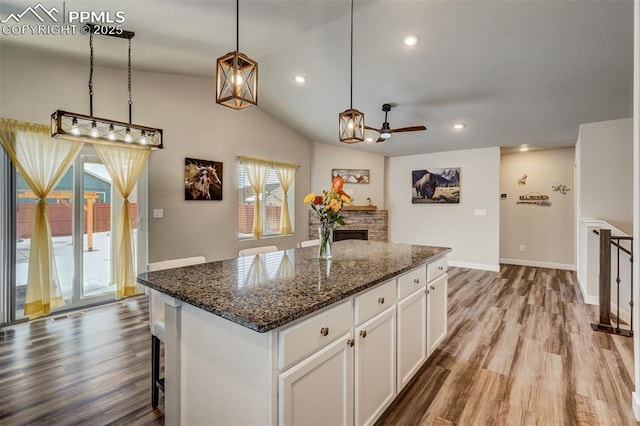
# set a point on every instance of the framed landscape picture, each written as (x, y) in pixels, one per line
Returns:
(435, 186)
(202, 179)
(351, 175)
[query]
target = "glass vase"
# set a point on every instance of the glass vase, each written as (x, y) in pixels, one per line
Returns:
(325, 234)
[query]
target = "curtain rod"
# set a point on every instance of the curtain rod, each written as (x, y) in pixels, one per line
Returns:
(270, 162)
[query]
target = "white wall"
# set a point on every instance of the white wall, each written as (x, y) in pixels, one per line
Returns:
(327, 157)
(605, 172)
(636, 199)
(604, 193)
(547, 233)
(194, 126)
(474, 239)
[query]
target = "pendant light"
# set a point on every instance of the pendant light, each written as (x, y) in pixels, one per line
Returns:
(88, 128)
(351, 121)
(237, 76)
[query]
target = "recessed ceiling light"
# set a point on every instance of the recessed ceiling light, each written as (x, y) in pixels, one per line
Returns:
(369, 139)
(524, 148)
(300, 79)
(459, 126)
(410, 40)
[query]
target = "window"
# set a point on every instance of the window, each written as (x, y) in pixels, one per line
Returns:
(271, 206)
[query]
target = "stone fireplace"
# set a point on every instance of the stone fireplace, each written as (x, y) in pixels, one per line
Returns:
(357, 218)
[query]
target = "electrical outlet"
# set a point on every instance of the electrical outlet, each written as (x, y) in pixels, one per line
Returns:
(522, 248)
(158, 213)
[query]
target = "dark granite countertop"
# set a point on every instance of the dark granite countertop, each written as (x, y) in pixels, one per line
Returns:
(266, 291)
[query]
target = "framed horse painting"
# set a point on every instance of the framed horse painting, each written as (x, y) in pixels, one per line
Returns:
(202, 179)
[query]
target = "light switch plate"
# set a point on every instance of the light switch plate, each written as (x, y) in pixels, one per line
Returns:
(158, 213)
(480, 212)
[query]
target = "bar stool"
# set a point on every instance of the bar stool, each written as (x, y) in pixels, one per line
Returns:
(156, 322)
(310, 243)
(257, 250)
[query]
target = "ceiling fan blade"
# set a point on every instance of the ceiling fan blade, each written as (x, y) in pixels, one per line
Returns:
(380, 140)
(407, 129)
(373, 128)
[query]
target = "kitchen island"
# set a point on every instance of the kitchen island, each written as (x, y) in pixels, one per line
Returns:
(285, 338)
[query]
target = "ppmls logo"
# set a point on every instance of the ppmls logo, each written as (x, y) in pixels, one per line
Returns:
(44, 12)
(52, 22)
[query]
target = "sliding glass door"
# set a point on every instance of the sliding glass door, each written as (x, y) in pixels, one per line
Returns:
(7, 246)
(81, 210)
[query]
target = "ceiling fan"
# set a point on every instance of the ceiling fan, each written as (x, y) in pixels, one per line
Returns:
(386, 130)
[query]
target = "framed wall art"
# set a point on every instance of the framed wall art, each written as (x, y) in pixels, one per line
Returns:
(435, 186)
(352, 175)
(202, 179)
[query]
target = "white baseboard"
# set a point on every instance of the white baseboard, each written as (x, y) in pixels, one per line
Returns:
(635, 404)
(624, 314)
(593, 300)
(536, 264)
(588, 298)
(481, 266)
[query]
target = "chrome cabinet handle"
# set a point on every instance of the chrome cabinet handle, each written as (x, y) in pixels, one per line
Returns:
(416, 281)
(427, 291)
(350, 343)
(433, 288)
(324, 331)
(363, 333)
(441, 268)
(381, 300)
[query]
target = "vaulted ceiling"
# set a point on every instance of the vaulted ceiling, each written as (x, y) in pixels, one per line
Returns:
(513, 71)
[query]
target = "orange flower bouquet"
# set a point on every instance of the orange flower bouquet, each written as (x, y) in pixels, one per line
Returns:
(328, 207)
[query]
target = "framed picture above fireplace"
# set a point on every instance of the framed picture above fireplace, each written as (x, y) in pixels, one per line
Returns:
(352, 175)
(435, 186)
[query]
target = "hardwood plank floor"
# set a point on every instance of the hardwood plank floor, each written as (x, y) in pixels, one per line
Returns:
(92, 368)
(519, 351)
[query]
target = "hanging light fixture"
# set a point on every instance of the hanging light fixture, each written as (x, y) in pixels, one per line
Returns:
(87, 128)
(237, 76)
(351, 121)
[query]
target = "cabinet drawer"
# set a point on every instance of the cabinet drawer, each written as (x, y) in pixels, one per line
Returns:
(436, 269)
(411, 281)
(375, 301)
(300, 339)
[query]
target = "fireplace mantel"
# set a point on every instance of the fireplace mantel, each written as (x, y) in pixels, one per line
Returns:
(359, 208)
(374, 221)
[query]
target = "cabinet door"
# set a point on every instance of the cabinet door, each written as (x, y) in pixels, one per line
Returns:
(319, 389)
(375, 369)
(412, 335)
(437, 312)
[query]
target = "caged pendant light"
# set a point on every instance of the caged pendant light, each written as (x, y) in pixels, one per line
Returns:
(91, 129)
(237, 76)
(351, 121)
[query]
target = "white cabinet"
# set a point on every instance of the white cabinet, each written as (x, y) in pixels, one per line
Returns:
(375, 366)
(345, 365)
(437, 312)
(319, 390)
(304, 338)
(412, 335)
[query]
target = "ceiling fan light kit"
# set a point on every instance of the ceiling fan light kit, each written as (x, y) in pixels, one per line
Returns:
(88, 128)
(386, 131)
(351, 122)
(236, 76)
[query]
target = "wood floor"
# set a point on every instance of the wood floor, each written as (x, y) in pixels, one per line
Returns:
(91, 369)
(519, 351)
